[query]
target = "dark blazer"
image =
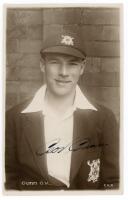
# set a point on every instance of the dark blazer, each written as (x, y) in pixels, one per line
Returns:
(94, 161)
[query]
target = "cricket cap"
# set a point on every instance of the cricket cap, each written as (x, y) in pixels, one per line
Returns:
(64, 42)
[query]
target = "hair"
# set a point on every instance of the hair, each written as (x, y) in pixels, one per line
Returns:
(43, 55)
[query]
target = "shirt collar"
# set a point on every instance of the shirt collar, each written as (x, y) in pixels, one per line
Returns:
(37, 103)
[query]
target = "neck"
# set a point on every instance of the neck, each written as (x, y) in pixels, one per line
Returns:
(62, 103)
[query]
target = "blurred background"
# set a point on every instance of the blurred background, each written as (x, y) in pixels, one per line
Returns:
(100, 28)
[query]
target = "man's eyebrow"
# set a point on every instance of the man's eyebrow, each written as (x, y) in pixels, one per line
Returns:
(74, 60)
(51, 58)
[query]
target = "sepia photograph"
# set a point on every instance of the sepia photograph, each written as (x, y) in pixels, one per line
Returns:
(62, 102)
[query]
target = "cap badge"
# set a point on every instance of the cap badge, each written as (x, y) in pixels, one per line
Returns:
(68, 40)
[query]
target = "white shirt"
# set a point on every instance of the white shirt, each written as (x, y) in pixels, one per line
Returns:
(58, 130)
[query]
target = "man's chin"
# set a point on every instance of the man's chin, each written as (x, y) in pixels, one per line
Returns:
(62, 92)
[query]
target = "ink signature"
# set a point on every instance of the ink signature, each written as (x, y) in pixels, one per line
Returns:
(55, 147)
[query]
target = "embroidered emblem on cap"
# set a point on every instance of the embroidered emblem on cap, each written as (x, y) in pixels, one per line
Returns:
(94, 170)
(68, 40)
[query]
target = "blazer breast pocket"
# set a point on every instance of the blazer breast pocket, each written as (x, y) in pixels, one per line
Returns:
(90, 170)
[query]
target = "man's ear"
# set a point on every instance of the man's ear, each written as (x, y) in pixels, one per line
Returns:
(42, 65)
(83, 65)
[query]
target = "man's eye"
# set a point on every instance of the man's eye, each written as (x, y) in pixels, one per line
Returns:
(73, 63)
(53, 62)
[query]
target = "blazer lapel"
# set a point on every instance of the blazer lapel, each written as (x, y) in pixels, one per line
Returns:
(79, 136)
(34, 133)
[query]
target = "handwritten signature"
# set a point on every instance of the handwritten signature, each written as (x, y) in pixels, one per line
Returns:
(78, 144)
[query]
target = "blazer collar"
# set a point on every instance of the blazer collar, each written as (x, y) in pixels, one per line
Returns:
(37, 103)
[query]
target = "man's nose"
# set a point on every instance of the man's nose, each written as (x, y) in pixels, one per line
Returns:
(63, 70)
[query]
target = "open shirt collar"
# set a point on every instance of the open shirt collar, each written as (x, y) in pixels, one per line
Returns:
(37, 103)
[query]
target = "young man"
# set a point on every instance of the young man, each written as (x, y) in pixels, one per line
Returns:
(60, 140)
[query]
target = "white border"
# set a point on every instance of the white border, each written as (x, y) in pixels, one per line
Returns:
(124, 100)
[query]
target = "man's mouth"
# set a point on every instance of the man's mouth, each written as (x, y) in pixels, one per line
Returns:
(62, 81)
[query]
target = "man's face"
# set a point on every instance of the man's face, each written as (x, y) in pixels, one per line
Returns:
(62, 73)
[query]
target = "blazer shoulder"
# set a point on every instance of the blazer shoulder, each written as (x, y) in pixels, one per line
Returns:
(102, 112)
(105, 110)
(18, 108)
